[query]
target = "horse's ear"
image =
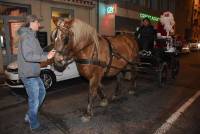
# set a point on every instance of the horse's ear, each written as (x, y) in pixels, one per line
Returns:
(55, 20)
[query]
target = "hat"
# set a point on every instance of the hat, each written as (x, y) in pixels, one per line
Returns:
(147, 19)
(31, 18)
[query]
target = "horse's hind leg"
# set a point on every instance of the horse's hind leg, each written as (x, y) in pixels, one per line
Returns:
(104, 100)
(117, 89)
(133, 79)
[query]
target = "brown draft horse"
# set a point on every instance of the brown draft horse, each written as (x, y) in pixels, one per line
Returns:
(95, 56)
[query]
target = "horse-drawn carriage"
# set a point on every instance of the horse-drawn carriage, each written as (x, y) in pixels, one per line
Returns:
(97, 56)
(162, 61)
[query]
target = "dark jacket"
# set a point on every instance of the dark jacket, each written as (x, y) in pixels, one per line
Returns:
(146, 36)
(30, 54)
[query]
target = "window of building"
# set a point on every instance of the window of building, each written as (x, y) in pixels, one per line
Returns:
(12, 9)
(172, 6)
(163, 4)
(142, 2)
(154, 4)
(135, 1)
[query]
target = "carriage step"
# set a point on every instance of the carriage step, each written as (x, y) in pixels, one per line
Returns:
(143, 63)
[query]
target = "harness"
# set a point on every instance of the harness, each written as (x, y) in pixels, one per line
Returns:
(94, 61)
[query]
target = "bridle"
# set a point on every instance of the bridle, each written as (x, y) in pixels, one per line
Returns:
(71, 58)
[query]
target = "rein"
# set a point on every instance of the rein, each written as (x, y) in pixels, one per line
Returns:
(104, 64)
(96, 61)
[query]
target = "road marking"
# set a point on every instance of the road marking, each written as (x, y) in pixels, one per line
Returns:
(171, 120)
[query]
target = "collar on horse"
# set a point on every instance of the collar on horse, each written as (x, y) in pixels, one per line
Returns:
(103, 64)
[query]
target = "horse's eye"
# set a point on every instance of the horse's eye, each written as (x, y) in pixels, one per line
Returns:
(66, 39)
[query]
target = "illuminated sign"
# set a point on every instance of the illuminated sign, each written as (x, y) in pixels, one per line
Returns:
(153, 18)
(111, 9)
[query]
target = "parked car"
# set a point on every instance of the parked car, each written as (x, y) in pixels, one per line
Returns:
(194, 45)
(48, 74)
(185, 48)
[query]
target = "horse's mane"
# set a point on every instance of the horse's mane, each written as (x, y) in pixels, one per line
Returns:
(83, 31)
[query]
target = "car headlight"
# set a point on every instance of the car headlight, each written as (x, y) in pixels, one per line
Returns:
(198, 45)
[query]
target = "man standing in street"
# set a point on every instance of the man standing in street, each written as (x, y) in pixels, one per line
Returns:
(30, 54)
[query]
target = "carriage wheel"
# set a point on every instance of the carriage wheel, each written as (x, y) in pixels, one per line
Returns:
(162, 74)
(175, 67)
(48, 78)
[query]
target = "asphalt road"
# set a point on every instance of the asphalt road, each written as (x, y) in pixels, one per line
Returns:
(142, 113)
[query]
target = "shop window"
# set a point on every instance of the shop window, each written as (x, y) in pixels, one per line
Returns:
(18, 11)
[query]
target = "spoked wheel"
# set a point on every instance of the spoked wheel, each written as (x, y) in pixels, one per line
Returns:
(162, 74)
(48, 78)
(175, 67)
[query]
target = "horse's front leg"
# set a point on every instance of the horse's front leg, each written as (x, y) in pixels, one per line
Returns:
(91, 97)
(104, 100)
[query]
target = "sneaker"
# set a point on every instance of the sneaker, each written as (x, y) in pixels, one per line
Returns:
(41, 128)
(26, 119)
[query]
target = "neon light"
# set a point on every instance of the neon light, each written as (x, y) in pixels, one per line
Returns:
(111, 9)
(153, 18)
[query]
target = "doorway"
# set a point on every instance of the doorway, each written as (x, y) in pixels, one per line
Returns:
(11, 18)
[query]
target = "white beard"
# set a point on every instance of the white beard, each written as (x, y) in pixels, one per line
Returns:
(168, 22)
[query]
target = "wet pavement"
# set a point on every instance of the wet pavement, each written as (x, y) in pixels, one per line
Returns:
(141, 113)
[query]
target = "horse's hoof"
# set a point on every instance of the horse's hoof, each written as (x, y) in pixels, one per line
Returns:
(85, 119)
(127, 76)
(115, 97)
(104, 103)
(131, 92)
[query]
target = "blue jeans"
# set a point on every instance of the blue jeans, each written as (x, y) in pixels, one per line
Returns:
(36, 94)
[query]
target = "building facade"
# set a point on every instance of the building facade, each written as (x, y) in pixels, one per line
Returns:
(196, 20)
(12, 14)
(108, 16)
(126, 15)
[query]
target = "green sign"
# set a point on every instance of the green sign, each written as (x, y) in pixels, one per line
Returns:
(153, 18)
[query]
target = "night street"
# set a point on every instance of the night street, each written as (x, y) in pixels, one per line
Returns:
(142, 113)
(99, 66)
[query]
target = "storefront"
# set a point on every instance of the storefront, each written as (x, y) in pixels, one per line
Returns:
(12, 15)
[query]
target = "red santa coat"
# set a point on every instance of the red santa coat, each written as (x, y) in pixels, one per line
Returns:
(160, 43)
(161, 30)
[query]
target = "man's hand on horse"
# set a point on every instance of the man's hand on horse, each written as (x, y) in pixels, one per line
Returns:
(51, 54)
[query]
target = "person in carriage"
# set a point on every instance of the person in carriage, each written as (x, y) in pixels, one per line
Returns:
(165, 31)
(146, 36)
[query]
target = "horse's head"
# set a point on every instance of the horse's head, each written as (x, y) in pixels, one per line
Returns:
(62, 40)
